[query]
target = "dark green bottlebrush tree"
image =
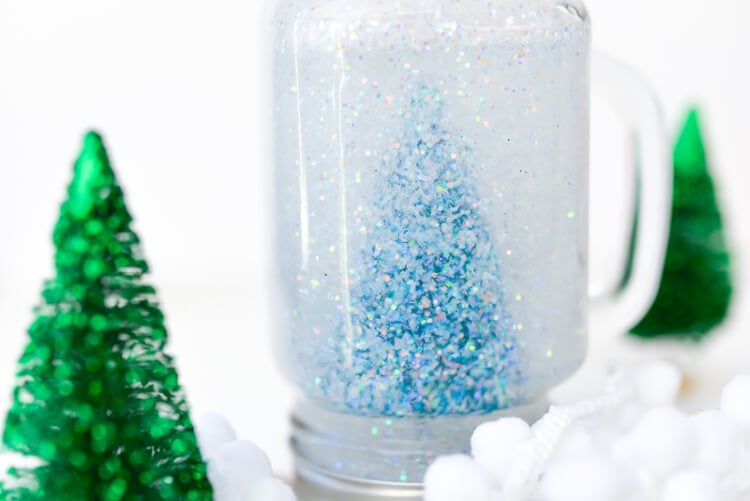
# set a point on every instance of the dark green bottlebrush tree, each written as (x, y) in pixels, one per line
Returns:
(696, 285)
(432, 334)
(97, 399)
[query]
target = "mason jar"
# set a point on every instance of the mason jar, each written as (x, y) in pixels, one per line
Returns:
(431, 166)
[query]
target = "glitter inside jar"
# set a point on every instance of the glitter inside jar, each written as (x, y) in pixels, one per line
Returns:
(431, 162)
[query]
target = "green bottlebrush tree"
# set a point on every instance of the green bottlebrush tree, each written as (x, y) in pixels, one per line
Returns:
(696, 285)
(97, 399)
(431, 331)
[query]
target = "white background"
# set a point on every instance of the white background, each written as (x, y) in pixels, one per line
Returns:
(176, 88)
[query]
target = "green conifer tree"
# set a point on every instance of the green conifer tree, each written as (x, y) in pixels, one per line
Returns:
(696, 285)
(97, 398)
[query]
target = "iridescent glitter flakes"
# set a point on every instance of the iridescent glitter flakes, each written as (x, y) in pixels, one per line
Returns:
(430, 160)
(428, 332)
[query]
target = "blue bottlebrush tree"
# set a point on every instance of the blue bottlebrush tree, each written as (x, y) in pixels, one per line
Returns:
(430, 333)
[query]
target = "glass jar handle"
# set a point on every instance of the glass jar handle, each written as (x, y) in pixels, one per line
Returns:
(626, 91)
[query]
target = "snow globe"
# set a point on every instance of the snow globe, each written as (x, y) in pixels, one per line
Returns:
(431, 163)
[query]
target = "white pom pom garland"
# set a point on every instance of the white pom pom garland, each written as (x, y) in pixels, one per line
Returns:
(496, 445)
(657, 383)
(661, 442)
(735, 400)
(629, 444)
(237, 469)
(213, 431)
(457, 477)
(692, 485)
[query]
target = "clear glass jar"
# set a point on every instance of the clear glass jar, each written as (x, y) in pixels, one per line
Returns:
(431, 161)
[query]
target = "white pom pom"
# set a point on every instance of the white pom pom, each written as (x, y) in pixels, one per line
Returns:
(223, 491)
(660, 443)
(271, 489)
(718, 442)
(494, 445)
(213, 431)
(576, 442)
(657, 383)
(629, 414)
(604, 430)
(456, 477)
(238, 465)
(735, 400)
(692, 485)
(587, 477)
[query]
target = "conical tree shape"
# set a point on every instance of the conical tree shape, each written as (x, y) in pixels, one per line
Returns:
(97, 399)
(696, 284)
(430, 332)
